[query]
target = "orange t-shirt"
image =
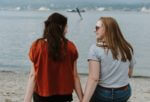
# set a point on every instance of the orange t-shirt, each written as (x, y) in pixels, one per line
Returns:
(53, 78)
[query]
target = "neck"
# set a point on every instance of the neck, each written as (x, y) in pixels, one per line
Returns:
(101, 43)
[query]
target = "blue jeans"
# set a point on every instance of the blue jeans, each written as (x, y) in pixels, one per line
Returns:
(111, 95)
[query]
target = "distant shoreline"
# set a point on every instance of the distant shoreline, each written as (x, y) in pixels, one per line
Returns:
(81, 74)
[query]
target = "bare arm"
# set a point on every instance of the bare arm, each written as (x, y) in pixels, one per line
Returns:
(130, 72)
(131, 66)
(78, 88)
(93, 78)
(30, 86)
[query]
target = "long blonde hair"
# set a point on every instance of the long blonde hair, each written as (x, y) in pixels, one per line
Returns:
(115, 40)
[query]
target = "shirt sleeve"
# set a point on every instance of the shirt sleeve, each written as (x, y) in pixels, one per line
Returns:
(75, 56)
(132, 62)
(32, 52)
(93, 53)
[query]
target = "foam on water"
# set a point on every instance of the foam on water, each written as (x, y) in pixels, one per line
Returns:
(146, 10)
(100, 9)
(43, 9)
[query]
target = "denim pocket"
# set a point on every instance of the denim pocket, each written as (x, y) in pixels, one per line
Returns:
(101, 95)
(105, 95)
(122, 95)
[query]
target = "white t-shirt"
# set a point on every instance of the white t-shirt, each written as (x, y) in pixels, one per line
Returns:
(113, 73)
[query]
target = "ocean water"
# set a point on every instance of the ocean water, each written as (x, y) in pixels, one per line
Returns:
(19, 28)
(102, 5)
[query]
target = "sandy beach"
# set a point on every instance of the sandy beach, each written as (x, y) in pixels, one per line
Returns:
(13, 84)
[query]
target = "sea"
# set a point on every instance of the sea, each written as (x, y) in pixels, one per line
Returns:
(23, 23)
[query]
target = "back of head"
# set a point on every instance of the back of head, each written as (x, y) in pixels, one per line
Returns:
(115, 40)
(55, 36)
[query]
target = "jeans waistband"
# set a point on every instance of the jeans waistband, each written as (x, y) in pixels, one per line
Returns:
(119, 88)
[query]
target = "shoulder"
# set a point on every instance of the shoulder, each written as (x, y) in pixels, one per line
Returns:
(95, 48)
(96, 51)
(71, 44)
(37, 44)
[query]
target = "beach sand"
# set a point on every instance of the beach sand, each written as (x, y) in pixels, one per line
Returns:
(13, 85)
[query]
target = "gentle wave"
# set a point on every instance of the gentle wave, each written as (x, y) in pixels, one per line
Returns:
(18, 8)
(11, 9)
(100, 9)
(146, 10)
(43, 9)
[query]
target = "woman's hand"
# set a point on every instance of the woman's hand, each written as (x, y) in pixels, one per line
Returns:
(77, 84)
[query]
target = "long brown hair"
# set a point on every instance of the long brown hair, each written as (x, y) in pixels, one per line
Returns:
(115, 40)
(54, 34)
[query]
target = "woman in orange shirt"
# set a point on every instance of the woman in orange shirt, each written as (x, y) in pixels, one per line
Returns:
(53, 76)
